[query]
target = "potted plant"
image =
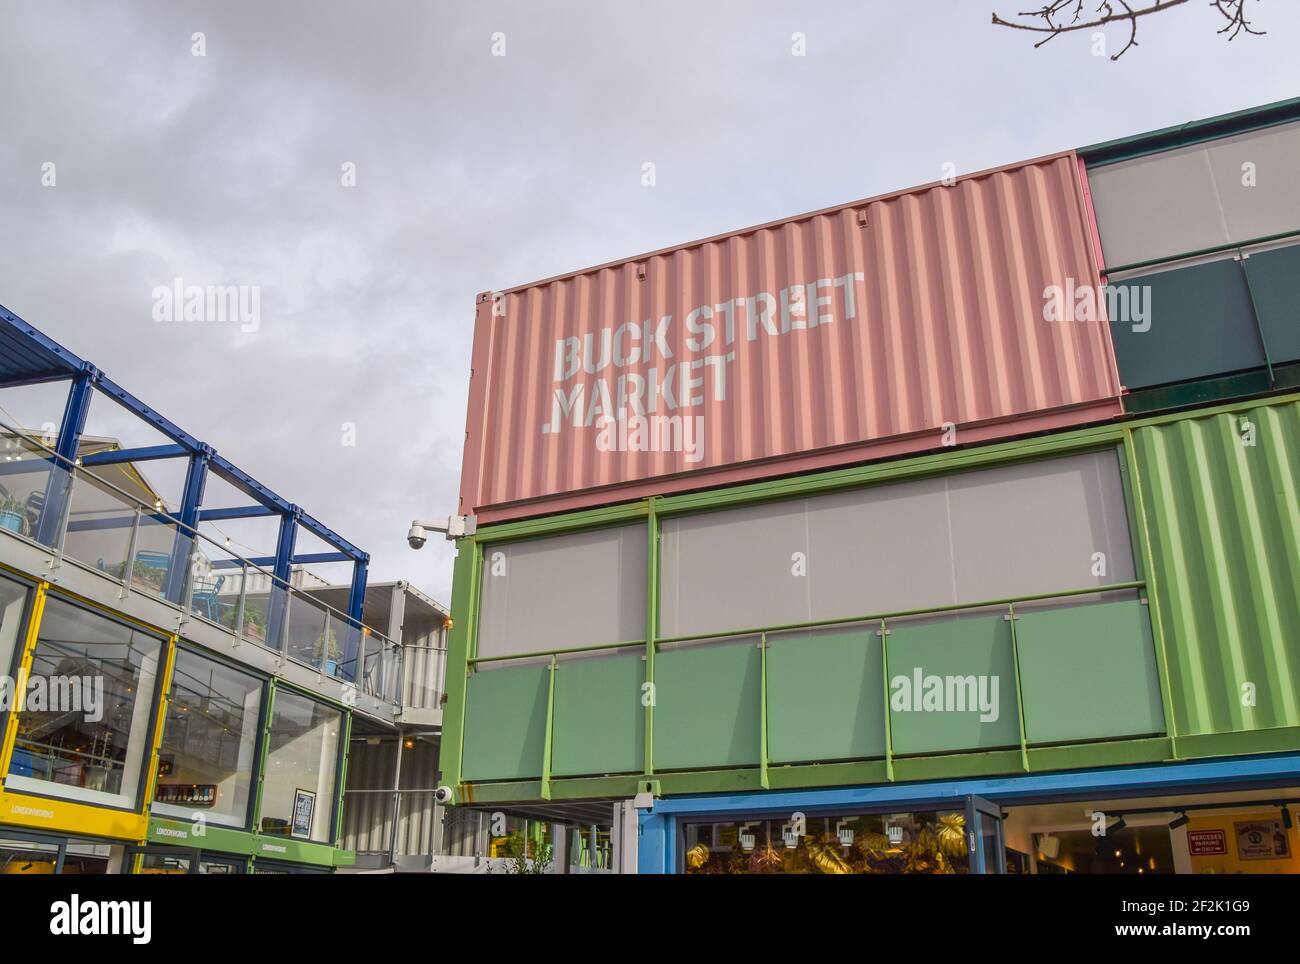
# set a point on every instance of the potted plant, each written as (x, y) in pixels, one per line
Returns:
(13, 515)
(255, 624)
(327, 647)
(147, 576)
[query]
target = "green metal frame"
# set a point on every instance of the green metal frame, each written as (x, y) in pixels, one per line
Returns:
(1025, 758)
(254, 842)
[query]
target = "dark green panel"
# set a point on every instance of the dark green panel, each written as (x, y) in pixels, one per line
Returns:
(505, 723)
(1275, 283)
(1201, 325)
(1088, 672)
(825, 696)
(707, 704)
(959, 647)
(599, 724)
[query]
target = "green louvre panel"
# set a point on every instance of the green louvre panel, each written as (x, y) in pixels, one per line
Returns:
(599, 724)
(707, 706)
(1088, 672)
(1275, 285)
(1201, 322)
(954, 650)
(825, 696)
(505, 723)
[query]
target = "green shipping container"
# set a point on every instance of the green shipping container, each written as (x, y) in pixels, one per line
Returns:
(1222, 499)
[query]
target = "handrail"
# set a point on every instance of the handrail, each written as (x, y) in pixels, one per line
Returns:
(824, 623)
(73, 468)
(1201, 252)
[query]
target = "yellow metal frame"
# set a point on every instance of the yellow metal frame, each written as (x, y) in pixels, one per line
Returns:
(68, 816)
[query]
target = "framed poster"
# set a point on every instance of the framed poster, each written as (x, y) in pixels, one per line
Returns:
(1261, 840)
(304, 806)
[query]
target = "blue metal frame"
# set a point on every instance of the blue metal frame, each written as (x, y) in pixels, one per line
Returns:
(145, 453)
(31, 356)
(72, 425)
(659, 828)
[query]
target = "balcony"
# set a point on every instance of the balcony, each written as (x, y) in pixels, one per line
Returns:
(107, 527)
(78, 510)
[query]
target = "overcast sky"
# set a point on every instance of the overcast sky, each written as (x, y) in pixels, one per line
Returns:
(477, 172)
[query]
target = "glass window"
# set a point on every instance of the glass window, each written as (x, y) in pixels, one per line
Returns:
(1014, 530)
(561, 592)
(19, 856)
(158, 863)
(83, 730)
(298, 789)
(13, 610)
(87, 857)
(209, 746)
(874, 843)
(224, 867)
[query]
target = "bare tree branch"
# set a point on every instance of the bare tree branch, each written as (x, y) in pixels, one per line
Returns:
(1049, 19)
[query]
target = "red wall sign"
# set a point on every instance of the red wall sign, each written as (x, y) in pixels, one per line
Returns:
(1202, 843)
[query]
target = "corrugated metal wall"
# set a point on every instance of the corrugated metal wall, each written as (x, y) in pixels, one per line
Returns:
(934, 315)
(1222, 500)
(424, 654)
(368, 816)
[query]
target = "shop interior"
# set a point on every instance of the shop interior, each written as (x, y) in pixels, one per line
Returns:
(1236, 832)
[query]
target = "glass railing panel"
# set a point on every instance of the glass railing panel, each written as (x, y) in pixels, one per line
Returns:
(346, 637)
(98, 533)
(261, 597)
(25, 478)
(393, 684)
(217, 578)
(371, 680)
(164, 555)
(309, 638)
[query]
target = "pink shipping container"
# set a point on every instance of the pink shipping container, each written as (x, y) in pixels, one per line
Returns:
(887, 326)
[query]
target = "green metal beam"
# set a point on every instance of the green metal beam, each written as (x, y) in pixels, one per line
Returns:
(651, 629)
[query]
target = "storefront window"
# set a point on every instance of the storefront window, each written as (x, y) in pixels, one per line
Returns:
(182, 862)
(40, 854)
(13, 606)
(27, 857)
(298, 792)
(881, 843)
(163, 864)
(83, 730)
(209, 748)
